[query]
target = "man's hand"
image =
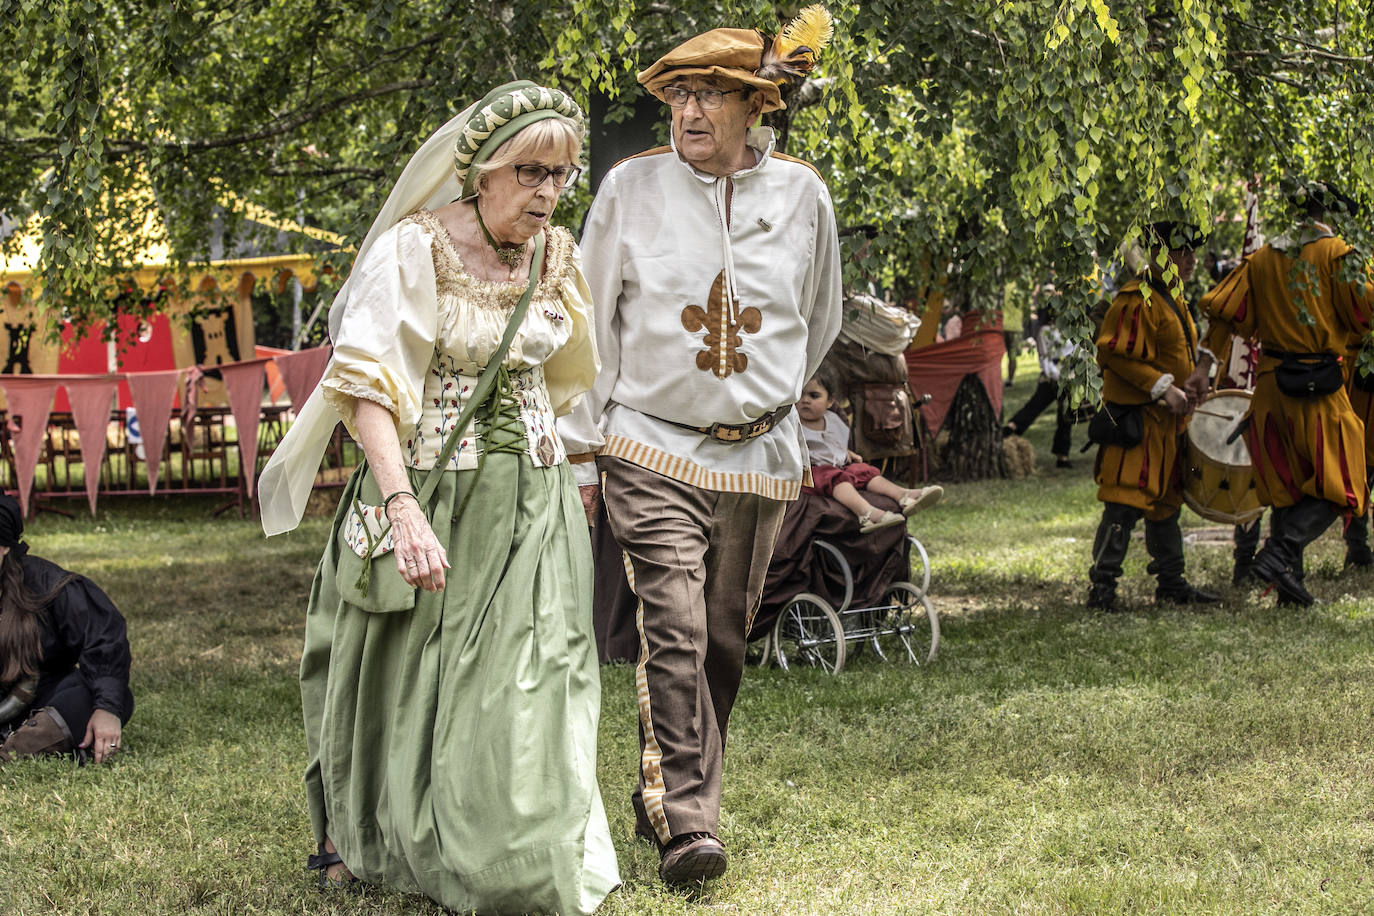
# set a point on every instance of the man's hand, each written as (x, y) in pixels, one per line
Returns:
(1197, 385)
(591, 500)
(1176, 401)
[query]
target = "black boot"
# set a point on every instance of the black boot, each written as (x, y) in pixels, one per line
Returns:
(1246, 538)
(1164, 541)
(1109, 552)
(1280, 562)
(1357, 552)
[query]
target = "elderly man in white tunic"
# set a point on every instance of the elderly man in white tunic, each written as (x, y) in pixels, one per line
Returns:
(714, 270)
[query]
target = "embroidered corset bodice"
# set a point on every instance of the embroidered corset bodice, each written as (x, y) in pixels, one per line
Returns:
(473, 314)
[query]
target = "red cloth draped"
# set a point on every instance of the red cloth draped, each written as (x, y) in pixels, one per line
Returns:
(153, 395)
(90, 400)
(243, 382)
(30, 400)
(938, 369)
(301, 372)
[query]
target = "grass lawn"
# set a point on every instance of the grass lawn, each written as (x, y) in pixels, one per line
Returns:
(1052, 760)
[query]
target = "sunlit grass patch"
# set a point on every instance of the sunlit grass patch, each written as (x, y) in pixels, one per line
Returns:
(1051, 760)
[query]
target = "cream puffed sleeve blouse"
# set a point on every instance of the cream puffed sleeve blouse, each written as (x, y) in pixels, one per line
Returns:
(421, 330)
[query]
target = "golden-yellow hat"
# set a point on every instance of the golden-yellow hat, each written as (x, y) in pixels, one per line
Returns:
(747, 56)
(728, 53)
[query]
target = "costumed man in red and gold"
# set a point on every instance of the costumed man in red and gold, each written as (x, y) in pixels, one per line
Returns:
(714, 266)
(1147, 348)
(1306, 441)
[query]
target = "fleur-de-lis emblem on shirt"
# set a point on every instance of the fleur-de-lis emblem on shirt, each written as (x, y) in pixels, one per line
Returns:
(724, 322)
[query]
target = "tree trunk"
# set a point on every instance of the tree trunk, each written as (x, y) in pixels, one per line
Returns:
(974, 450)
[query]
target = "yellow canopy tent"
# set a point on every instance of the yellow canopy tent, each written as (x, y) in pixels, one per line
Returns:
(201, 315)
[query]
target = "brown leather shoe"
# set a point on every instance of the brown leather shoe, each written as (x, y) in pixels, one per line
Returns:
(42, 733)
(692, 857)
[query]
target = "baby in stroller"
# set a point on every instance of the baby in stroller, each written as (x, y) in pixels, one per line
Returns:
(840, 473)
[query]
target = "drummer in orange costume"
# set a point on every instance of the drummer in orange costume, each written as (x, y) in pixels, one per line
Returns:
(1306, 441)
(1147, 348)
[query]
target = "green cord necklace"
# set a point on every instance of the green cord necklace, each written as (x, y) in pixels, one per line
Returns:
(510, 255)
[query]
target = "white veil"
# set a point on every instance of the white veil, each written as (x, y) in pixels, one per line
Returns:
(429, 180)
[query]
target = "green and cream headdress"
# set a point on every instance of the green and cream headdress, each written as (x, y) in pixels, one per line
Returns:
(500, 115)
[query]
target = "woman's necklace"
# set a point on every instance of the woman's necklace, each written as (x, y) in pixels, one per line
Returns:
(509, 254)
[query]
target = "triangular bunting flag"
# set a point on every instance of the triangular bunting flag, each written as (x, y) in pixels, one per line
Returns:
(90, 400)
(301, 372)
(29, 399)
(243, 382)
(153, 394)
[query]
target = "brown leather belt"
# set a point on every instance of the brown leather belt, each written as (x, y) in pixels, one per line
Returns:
(737, 432)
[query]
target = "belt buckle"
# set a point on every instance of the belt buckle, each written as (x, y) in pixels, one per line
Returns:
(724, 432)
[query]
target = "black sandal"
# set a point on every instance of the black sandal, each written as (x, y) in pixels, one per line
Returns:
(324, 860)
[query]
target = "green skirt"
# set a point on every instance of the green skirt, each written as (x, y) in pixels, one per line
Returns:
(452, 735)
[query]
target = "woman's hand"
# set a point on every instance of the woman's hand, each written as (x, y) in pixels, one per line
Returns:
(102, 735)
(420, 558)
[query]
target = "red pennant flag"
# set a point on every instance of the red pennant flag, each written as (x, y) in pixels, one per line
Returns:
(29, 398)
(90, 400)
(153, 395)
(243, 382)
(301, 372)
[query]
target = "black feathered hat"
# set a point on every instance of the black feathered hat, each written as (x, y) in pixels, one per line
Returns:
(1318, 197)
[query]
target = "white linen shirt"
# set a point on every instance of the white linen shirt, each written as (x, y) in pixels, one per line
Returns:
(660, 259)
(829, 445)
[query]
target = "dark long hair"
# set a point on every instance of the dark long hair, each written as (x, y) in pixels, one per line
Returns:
(21, 648)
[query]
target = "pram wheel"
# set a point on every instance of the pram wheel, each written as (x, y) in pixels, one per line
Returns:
(809, 633)
(924, 587)
(907, 624)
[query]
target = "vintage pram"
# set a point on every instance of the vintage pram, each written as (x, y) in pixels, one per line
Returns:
(832, 593)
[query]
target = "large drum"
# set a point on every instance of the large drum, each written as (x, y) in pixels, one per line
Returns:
(1219, 479)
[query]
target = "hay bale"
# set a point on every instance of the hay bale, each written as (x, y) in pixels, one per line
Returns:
(1018, 458)
(323, 502)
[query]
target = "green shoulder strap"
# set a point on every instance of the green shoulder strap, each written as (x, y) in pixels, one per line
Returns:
(488, 377)
(480, 392)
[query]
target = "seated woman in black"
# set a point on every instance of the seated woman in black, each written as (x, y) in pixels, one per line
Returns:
(64, 656)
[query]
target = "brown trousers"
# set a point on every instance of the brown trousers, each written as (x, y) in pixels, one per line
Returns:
(698, 559)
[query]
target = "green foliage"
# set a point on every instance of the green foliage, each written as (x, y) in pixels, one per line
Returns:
(998, 143)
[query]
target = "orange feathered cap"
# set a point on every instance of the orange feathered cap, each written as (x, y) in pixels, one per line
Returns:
(728, 53)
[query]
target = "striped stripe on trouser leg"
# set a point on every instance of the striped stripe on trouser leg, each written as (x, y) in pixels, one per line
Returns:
(698, 560)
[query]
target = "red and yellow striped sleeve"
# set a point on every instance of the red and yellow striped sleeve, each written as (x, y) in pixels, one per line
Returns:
(1227, 306)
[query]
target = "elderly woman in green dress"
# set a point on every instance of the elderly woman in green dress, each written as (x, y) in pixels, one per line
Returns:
(449, 678)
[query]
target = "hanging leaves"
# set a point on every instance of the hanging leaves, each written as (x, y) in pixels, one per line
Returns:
(996, 143)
